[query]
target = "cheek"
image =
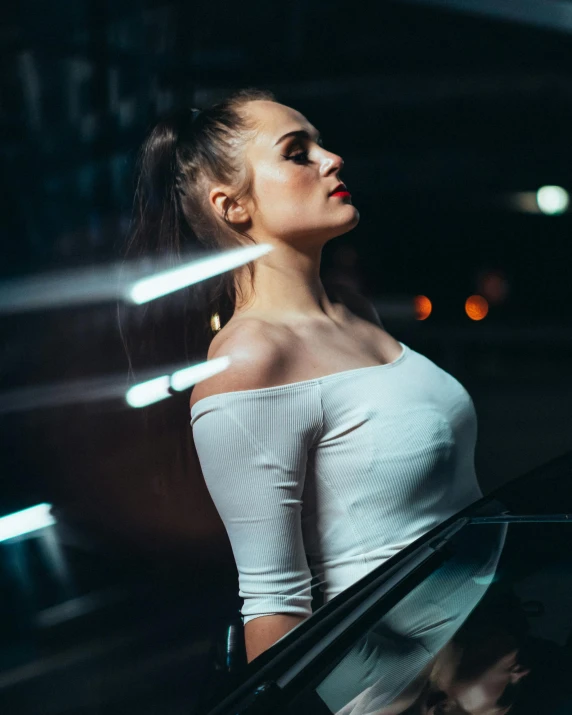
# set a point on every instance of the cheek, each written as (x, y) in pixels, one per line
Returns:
(270, 181)
(277, 182)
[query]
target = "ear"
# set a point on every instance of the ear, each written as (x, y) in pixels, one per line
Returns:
(221, 201)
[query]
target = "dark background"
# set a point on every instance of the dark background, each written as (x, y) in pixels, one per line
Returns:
(440, 116)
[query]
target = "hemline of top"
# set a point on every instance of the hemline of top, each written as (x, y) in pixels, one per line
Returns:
(312, 381)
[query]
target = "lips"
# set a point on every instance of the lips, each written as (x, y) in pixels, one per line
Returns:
(340, 188)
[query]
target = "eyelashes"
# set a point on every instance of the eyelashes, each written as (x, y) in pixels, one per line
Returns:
(302, 156)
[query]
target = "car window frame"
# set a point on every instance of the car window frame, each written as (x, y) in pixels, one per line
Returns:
(300, 652)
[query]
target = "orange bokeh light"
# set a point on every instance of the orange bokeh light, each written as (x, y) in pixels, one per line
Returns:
(476, 307)
(423, 307)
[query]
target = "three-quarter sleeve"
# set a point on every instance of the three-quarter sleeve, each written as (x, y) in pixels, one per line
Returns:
(253, 449)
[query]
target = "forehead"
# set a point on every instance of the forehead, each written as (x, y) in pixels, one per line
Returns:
(273, 120)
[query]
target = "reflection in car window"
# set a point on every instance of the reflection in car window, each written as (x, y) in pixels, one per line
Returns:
(389, 665)
(488, 632)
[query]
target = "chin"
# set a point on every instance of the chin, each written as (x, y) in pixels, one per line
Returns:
(350, 223)
(344, 228)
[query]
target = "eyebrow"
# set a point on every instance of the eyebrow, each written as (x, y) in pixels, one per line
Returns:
(301, 133)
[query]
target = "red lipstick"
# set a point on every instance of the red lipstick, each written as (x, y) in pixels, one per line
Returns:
(340, 190)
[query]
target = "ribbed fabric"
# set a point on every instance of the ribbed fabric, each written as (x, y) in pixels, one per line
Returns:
(328, 478)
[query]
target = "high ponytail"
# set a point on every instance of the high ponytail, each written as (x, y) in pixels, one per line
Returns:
(158, 216)
(158, 234)
(156, 212)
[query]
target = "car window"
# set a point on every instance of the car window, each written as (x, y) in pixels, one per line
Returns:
(487, 631)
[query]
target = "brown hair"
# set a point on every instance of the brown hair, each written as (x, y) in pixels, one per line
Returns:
(180, 157)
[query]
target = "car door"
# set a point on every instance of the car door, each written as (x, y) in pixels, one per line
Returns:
(465, 623)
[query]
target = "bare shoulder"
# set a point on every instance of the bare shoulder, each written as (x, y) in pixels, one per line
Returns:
(258, 354)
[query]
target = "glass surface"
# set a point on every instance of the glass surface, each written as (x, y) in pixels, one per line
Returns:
(488, 632)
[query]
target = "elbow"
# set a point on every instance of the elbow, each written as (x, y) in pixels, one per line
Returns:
(268, 619)
(263, 632)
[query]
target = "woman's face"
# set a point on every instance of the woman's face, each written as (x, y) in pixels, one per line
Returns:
(294, 177)
(493, 691)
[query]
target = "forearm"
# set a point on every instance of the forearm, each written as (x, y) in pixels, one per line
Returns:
(262, 632)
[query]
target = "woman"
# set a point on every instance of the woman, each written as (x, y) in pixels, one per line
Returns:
(326, 438)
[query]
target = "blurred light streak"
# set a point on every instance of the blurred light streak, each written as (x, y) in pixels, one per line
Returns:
(56, 563)
(523, 201)
(81, 391)
(56, 664)
(26, 521)
(100, 389)
(423, 307)
(476, 307)
(61, 288)
(398, 307)
(146, 278)
(80, 606)
(552, 200)
(548, 14)
(174, 279)
(147, 393)
(548, 200)
(189, 376)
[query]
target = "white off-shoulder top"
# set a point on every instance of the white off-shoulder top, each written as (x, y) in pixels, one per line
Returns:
(328, 478)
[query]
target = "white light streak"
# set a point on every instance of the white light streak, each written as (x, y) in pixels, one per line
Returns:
(108, 388)
(183, 379)
(80, 286)
(147, 393)
(552, 200)
(25, 521)
(174, 279)
(145, 278)
(151, 391)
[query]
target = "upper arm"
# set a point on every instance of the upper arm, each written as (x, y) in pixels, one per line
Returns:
(253, 449)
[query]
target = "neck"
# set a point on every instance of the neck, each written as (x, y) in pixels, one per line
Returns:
(286, 284)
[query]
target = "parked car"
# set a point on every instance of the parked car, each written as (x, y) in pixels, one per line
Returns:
(474, 617)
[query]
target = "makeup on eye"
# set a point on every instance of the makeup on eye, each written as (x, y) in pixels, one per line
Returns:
(301, 156)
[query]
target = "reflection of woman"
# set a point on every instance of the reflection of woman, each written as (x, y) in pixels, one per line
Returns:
(390, 668)
(483, 672)
(326, 437)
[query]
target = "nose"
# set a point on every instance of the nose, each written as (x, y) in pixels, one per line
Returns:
(332, 163)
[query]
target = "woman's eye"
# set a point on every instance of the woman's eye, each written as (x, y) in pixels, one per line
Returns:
(300, 158)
